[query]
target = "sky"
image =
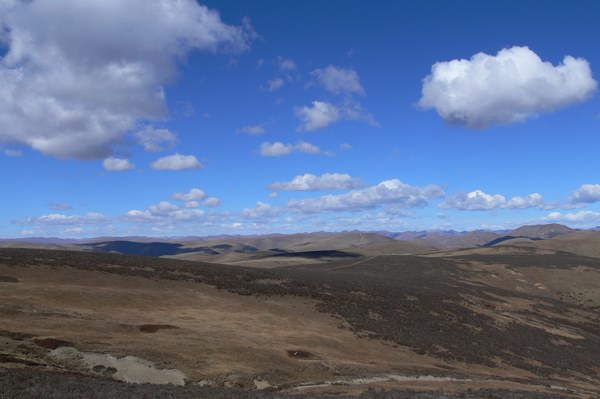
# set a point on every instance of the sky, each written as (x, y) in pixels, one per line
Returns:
(180, 118)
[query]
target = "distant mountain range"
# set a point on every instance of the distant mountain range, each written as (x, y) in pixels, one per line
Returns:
(547, 230)
(237, 248)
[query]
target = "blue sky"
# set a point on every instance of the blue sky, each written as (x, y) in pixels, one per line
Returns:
(296, 116)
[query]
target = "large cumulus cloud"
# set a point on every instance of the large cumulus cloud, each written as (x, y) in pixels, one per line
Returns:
(511, 86)
(78, 75)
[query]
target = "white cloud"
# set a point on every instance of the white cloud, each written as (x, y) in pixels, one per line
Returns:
(274, 195)
(577, 217)
(354, 111)
(327, 181)
(12, 153)
(286, 64)
(193, 195)
(192, 198)
(318, 116)
(135, 215)
(162, 208)
(529, 201)
(177, 162)
(274, 84)
(276, 149)
(164, 212)
(61, 219)
(391, 192)
(279, 149)
(255, 130)
(511, 86)
(339, 80)
(474, 201)
(212, 202)
(322, 114)
(587, 193)
(307, 148)
(480, 201)
(154, 140)
(345, 146)
(260, 211)
(117, 164)
(73, 93)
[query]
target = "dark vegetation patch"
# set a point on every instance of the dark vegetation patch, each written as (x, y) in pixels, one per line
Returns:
(15, 360)
(438, 320)
(559, 260)
(247, 249)
(35, 384)
(223, 246)
(17, 336)
(51, 343)
(318, 254)
(8, 279)
(152, 328)
(300, 354)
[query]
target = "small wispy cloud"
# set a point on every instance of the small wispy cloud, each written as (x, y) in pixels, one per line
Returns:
(117, 164)
(279, 149)
(177, 162)
(327, 181)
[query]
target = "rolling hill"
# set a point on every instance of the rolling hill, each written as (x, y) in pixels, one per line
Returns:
(469, 326)
(447, 239)
(585, 243)
(543, 231)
